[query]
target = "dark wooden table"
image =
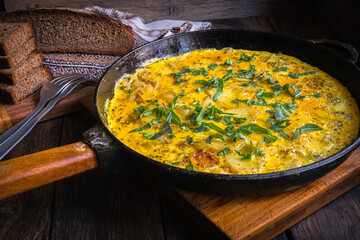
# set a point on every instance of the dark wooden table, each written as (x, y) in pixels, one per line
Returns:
(124, 205)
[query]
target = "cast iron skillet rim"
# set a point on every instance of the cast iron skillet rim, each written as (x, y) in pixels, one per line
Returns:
(263, 176)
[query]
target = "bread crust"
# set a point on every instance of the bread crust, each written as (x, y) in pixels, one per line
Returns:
(13, 35)
(14, 75)
(33, 81)
(18, 55)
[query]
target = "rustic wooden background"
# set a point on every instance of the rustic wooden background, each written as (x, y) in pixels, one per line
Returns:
(171, 9)
(123, 204)
(343, 16)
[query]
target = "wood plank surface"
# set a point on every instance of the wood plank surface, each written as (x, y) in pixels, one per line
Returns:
(169, 9)
(108, 205)
(28, 215)
(338, 220)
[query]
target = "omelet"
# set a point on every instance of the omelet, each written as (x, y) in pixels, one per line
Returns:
(232, 111)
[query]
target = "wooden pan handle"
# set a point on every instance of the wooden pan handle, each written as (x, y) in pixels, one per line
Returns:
(24, 173)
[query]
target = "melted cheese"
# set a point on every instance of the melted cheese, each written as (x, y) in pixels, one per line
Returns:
(335, 112)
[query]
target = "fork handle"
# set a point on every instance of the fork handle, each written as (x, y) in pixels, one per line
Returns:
(21, 132)
(24, 130)
(15, 138)
(4, 137)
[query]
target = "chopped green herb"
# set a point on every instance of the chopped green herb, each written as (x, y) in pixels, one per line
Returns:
(218, 119)
(126, 87)
(179, 80)
(260, 152)
(297, 75)
(190, 167)
(281, 110)
(162, 132)
(213, 66)
(204, 72)
(201, 129)
(315, 95)
(189, 140)
(214, 82)
(223, 152)
(235, 134)
(172, 136)
(245, 57)
(147, 113)
(212, 109)
(147, 135)
(286, 88)
(179, 95)
(309, 127)
(200, 117)
(185, 129)
(246, 73)
(271, 80)
(277, 127)
(259, 96)
(220, 90)
(227, 62)
(296, 91)
(219, 136)
(254, 128)
(271, 94)
(214, 127)
(228, 120)
(154, 102)
(239, 120)
(282, 69)
(277, 87)
(267, 139)
(259, 78)
(186, 71)
(145, 127)
(246, 156)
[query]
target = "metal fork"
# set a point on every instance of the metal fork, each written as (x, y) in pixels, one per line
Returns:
(51, 93)
(48, 91)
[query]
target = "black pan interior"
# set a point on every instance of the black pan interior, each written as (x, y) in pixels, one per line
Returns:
(257, 184)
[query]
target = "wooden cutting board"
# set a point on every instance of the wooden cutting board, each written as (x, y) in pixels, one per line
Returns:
(266, 217)
(234, 217)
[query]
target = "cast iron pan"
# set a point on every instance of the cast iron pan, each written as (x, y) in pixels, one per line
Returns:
(104, 150)
(257, 184)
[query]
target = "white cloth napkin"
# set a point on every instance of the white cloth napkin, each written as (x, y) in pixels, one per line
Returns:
(96, 65)
(147, 31)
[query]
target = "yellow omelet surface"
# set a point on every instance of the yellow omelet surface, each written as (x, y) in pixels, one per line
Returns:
(233, 112)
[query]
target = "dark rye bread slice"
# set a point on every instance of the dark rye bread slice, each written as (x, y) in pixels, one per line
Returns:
(16, 74)
(64, 30)
(33, 81)
(13, 35)
(18, 55)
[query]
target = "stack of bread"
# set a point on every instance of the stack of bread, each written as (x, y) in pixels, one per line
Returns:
(21, 70)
